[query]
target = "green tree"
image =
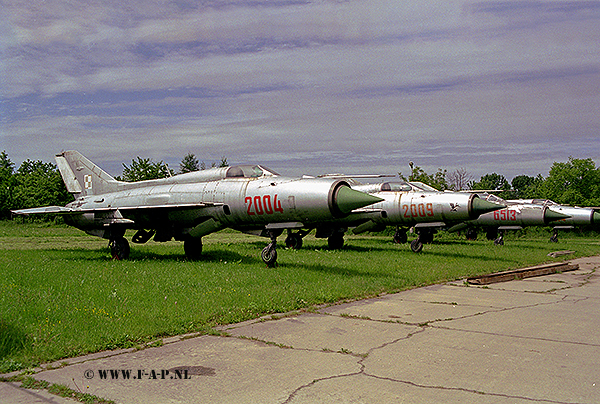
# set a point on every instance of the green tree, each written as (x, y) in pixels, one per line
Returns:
(437, 180)
(576, 182)
(145, 169)
(526, 187)
(189, 163)
(7, 184)
(494, 182)
(38, 184)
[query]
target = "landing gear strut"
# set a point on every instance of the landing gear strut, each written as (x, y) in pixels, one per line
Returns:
(554, 237)
(500, 239)
(269, 253)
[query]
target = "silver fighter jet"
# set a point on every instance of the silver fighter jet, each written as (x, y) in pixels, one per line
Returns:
(515, 216)
(577, 216)
(189, 206)
(404, 205)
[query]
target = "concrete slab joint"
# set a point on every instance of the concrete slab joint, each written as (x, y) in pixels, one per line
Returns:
(524, 341)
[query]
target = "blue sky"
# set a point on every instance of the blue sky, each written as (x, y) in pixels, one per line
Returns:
(304, 87)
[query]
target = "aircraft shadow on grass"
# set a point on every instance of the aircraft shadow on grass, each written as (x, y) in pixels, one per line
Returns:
(12, 339)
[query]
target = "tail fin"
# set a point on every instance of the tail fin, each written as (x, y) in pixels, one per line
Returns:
(82, 177)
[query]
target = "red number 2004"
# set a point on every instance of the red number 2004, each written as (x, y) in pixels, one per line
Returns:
(263, 205)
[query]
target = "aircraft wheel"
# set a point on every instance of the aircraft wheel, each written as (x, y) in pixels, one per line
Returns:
(471, 234)
(293, 241)
(499, 241)
(491, 234)
(269, 255)
(400, 237)
(426, 236)
(336, 241)
(554, 238)
(416, 245)
(193, 248)
(119, 248)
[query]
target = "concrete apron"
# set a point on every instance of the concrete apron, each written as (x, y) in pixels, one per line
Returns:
(534, 340)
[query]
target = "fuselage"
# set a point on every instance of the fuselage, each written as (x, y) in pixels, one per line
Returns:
(247, 199)
(408, 205)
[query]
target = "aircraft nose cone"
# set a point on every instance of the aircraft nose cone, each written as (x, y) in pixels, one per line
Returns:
(596, 218)
(480, 206)
(551, 216)
(348, 199)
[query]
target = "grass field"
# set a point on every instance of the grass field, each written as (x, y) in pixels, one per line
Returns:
(61, 295)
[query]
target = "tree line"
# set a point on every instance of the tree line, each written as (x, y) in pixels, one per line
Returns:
(575, 182)
(37, 183)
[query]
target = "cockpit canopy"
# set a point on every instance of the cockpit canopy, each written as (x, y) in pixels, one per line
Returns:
(401, 186)
(249, 171)
(395, 186)
(492, 198)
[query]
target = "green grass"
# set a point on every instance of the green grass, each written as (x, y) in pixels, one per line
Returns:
(61, 295)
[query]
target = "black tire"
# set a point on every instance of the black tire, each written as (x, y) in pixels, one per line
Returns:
(554, 238)
(269, 255)
(491, 233)
(336, 241)
(293, 241)
(426, 236)
(119, 249)
(471, 234)
(193, 248)
(400, 237)
(416, 245)
(499, 241)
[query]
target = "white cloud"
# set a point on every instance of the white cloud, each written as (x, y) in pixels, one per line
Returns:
(327, 82)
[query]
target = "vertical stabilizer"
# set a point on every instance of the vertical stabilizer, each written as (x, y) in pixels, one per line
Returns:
(82, 177)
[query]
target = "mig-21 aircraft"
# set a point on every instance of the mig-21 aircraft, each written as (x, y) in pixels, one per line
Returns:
(577, 216)
(188, 206)
(404, 205)
(515, 216)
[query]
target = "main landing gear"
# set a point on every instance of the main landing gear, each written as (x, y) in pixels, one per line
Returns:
(425, 237)
(294, 240)
(118, 244)
(269, 253)
(192, 246)
(400, 236)
(335, 238)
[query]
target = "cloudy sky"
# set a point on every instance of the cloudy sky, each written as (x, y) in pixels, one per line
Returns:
(304, 87)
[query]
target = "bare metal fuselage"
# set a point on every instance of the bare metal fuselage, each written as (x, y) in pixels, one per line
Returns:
(179, 209)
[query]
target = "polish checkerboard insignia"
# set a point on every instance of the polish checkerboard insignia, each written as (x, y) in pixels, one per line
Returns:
(87, 181)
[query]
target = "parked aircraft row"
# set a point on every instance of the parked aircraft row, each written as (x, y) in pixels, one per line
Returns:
(256, 200)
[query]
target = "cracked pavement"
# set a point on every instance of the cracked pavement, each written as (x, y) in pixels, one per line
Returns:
(527, 341)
